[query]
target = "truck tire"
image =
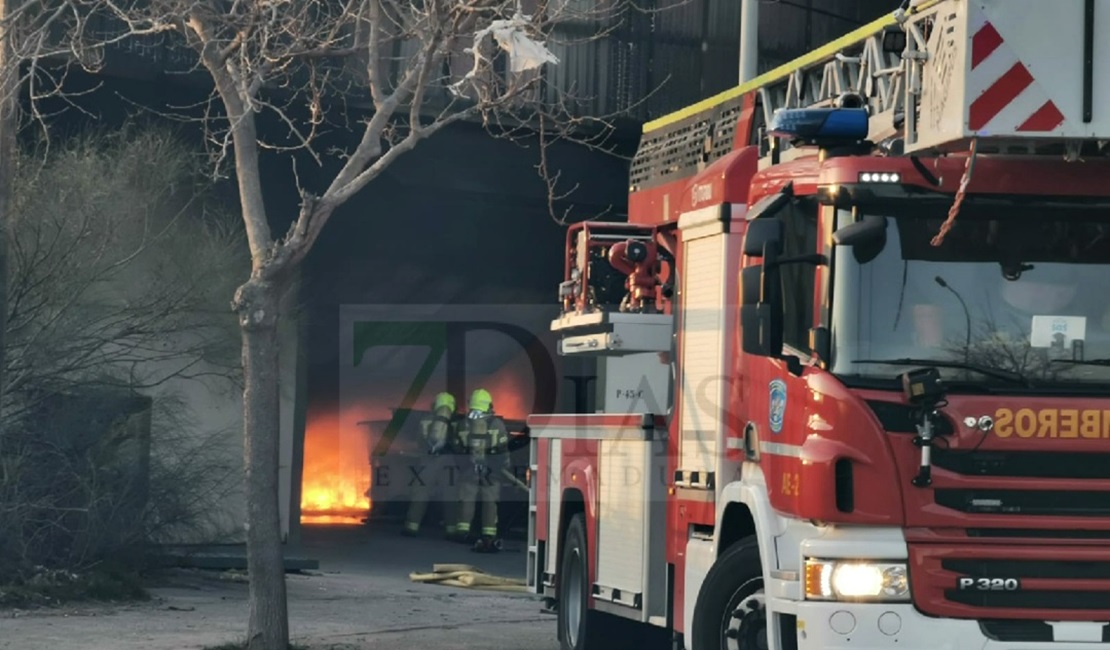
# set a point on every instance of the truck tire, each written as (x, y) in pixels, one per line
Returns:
(580, 628)
(731, 609)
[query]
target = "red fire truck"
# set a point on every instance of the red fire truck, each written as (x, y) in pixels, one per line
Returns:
(854, 353)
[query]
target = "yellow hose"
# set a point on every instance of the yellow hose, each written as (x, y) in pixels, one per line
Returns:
(468, 577)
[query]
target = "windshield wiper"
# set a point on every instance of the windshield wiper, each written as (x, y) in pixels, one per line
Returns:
(997, 373)
(1084, 362)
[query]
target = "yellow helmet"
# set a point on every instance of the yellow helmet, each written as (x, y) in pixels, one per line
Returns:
(480, 400)
(444, 400)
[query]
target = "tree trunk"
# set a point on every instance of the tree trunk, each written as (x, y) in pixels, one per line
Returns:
(257, 305)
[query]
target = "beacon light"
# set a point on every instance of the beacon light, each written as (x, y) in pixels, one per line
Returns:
(818, 125)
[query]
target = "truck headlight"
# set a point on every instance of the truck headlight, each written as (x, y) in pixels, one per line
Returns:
(857, 580)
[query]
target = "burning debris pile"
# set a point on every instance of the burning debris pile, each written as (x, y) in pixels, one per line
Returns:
(336, 471)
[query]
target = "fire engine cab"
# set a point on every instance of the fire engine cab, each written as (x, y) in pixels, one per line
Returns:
(854, 353)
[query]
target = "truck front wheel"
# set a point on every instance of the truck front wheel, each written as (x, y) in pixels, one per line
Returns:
(730, 612)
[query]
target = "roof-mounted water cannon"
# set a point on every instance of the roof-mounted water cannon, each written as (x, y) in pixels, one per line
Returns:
(639, 261)
(831, 129)
(592, 282)
(616, 290)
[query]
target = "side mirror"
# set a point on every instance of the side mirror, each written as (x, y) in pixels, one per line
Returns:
(870, 229)
(866, 237)
(762, 234)
(761, 310)
(761, 325)
(751, 285)
(762, 306)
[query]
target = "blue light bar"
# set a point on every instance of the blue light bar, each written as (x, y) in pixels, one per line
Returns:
(814, 125)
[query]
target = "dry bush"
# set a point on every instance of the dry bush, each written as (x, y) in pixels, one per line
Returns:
(121, 265)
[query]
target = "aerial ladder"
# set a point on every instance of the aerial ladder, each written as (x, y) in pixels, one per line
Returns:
(936, 78)
(1016, 76)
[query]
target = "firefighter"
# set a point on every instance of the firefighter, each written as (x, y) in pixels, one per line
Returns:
(486, 440)
(439, 468)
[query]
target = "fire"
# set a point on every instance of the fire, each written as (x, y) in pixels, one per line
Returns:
(337, 471)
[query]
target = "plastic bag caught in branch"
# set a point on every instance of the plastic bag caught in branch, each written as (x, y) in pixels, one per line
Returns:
(525, 53)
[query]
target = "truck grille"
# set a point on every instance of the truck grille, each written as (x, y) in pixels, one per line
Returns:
(1025, 631)
(1069, 468)
(1075, 585)
(1024, 464)
(1037, 533)
(1025, 502)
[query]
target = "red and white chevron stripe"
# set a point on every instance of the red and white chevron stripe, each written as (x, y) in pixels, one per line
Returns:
(1007, 97)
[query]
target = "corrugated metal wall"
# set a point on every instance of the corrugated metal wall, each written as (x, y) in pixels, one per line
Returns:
(789, 28)
(648, 64)
(653, 64)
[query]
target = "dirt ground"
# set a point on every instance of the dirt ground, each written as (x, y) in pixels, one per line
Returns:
(360, 598)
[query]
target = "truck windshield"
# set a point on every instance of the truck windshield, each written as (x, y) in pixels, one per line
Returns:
(1013, 298)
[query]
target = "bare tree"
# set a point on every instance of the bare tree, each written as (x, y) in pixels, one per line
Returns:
(451, 60)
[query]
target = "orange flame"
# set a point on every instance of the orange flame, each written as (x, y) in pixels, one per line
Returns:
(337, 472)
